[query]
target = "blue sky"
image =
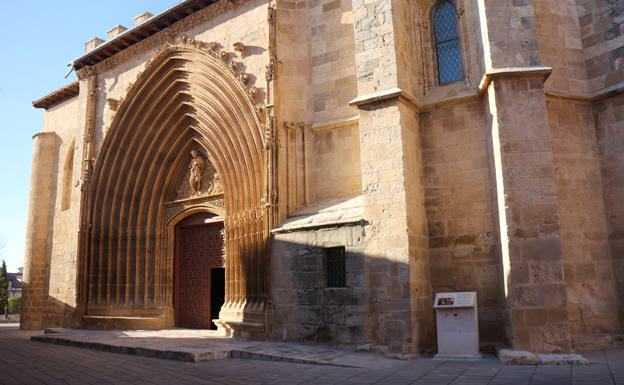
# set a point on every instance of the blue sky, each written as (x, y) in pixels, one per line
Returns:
(37, 40)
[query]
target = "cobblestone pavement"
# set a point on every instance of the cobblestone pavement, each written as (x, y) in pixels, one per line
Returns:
(23, 361)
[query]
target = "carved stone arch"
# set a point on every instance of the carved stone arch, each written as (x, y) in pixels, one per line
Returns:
(186, 97)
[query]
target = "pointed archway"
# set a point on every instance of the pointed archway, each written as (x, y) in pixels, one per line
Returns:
(187, 98)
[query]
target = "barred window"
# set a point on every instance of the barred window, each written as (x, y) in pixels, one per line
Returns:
(336, 267)
(447, 43)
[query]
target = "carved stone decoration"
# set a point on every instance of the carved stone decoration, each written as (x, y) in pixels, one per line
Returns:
(215, 187)
(193, 43)
(244, 77)
(240, 47)
(113, 104)
(271, 14)
(86, 72)
(296, 126)
(234, 66)
(200, 180)
(270, 70)
(172, 210)
(197, 172)
(104, 201)
(225, 56)
(216, 201)
(268, 131)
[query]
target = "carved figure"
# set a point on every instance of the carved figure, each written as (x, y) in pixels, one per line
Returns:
(197, 171)
(216, 187)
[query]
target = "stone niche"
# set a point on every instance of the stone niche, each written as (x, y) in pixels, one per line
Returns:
(305, 309)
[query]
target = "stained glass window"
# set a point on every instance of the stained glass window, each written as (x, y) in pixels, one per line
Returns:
(447, 43)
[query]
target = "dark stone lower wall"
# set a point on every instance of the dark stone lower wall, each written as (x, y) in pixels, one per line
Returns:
(304, 309)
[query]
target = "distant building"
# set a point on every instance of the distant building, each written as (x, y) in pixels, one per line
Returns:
(15, 283)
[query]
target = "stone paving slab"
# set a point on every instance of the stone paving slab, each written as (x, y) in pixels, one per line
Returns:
(205, 345)
(24, 361)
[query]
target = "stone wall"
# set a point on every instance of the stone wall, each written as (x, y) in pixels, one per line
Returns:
(332, 49)
(609, 117)
(508, 33)
(588, 271)
(304, 308)
(462, 233)
(66, 123)
(375, 54)
(316, 80)
(560, 47)
(334, 156)
(335, 166)
(602, 34)
(528, 215)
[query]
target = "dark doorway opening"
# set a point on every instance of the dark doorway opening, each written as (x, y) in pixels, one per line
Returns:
(199, 288)
(217, 293)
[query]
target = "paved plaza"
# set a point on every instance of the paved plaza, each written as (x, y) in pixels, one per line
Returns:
(24, 361)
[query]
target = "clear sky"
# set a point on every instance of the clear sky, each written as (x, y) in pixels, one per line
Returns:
(37, 40)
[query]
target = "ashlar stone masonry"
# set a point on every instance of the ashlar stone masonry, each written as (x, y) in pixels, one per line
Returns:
(311, 150)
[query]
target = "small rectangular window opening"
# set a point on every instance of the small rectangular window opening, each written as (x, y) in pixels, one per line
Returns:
(336, 267)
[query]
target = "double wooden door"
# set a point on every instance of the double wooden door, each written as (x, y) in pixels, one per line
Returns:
(199, 271)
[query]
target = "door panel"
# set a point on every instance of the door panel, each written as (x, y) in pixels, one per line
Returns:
(199, 250)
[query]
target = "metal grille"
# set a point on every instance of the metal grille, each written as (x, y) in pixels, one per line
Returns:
(447, 43)
(336, 267)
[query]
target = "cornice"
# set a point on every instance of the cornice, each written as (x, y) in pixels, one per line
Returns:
(58, 96)
(188, 12)
(409, 100)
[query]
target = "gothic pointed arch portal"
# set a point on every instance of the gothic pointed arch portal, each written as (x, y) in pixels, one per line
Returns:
(187, 100)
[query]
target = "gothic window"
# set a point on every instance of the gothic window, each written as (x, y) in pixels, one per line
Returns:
(447, 43)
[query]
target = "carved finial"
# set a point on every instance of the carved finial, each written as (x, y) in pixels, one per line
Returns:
(271, 14)
(240, 47)
(244, 77)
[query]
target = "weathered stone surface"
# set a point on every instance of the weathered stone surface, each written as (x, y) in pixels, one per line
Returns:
(328, 127)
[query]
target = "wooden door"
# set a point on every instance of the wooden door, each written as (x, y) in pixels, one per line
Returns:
(199, 249)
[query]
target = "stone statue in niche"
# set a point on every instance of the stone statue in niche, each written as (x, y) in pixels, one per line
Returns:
(197, 171)
(201, 179)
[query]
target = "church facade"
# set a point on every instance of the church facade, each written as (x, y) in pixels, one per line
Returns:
(317, 170)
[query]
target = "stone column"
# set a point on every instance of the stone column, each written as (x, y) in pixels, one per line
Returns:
(523, 173)
(38, 230)
(401, 318)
